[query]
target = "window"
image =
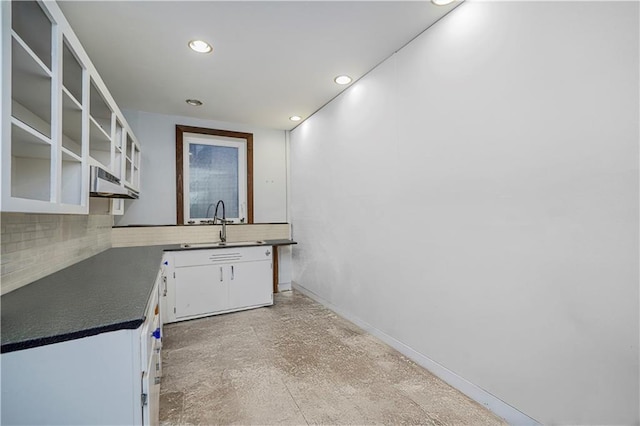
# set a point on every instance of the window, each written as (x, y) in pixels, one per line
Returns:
(213, 165)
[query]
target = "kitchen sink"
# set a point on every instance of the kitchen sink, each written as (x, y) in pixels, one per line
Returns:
(221, 244)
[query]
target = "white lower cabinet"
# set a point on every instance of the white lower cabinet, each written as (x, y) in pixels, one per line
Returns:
(214, 281)
(112, 378)
(251, 284)
(200, 290)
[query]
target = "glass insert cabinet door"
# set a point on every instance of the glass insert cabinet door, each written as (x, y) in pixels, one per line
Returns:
(214, 169)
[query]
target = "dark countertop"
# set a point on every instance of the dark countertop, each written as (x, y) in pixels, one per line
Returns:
(106, 292)
(142, 225)
(204, 246)
(281, 242)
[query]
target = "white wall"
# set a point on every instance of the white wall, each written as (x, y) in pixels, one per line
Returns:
(157, 136)
(476, 198)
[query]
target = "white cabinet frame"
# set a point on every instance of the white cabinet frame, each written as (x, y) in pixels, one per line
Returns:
(56, 202)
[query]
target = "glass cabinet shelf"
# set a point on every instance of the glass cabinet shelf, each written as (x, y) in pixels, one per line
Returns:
(30, 89)
(31, 25)
(30, 163)
(71, 123)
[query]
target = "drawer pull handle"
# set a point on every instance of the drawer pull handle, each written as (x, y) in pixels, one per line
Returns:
(221, 274)
(232, 273)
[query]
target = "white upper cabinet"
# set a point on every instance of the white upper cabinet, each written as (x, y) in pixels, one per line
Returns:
(131, 173)
(57, 115)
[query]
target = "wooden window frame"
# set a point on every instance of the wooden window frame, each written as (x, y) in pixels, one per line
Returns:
(247, 137)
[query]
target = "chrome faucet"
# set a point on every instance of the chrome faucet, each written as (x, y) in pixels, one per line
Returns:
(223, 220)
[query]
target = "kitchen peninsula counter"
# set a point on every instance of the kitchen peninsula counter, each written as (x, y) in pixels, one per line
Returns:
(106, 292)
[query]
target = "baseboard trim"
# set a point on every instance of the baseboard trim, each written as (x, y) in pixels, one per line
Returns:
(500, 408)
(284, 286)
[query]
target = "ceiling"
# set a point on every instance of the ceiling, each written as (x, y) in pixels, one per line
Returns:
(271, 59)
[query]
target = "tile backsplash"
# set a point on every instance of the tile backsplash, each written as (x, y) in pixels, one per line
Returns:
(36, 245)
(152, 235)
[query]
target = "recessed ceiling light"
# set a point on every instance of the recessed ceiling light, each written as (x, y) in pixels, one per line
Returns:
(441, 2)
(295, 118)
(193, 102)
(200, 46)
(342, 79)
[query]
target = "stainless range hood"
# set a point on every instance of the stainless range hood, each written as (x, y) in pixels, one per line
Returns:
(105, 185)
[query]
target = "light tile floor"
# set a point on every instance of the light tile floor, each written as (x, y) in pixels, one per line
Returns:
(298, 363)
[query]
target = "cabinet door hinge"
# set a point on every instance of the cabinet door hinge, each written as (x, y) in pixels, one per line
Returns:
(143, 399)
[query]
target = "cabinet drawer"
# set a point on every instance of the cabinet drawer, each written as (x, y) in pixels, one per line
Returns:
(221, 256)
